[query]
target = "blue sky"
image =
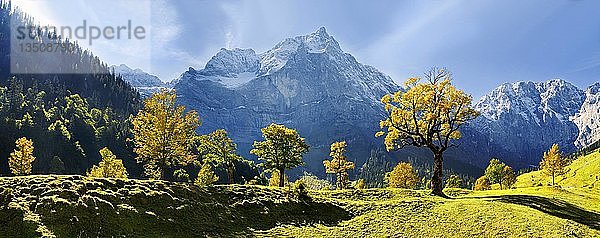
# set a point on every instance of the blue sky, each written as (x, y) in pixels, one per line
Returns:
(484, 43)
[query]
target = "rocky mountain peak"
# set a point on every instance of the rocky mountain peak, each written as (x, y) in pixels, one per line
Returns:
(317, 42)
(532, 100)
(137, 77)
(230, 62)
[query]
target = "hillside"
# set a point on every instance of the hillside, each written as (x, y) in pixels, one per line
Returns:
(68, 102)
(71, 206)
(583, 172)
(409, 213)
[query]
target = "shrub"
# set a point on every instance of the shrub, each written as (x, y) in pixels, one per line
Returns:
(181, 175)
(454, 181)
(403, 176)
(314, 183)
(482, 183)
(360, 184)
(206, 176)
(299, 190)
(109, 167)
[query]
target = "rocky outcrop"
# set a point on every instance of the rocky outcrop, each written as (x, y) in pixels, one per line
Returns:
(521, 120)
(588, 117)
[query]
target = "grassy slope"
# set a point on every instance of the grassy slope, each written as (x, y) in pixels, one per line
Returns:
(71, 206)
(584, 172)
(402, 213)
(528, 211)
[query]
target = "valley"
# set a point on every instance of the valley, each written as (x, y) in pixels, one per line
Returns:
(65, 206)
(208, 126)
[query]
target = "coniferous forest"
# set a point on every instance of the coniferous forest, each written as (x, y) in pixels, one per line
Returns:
(70, 117)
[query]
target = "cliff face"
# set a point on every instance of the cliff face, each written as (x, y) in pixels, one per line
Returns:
(588, 117)
(307, 83)
(519, 121)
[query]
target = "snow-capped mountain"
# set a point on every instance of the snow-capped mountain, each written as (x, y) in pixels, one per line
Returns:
(309, 83)
(306, 82)
(521, 120)
(144, 82)
(588, 117)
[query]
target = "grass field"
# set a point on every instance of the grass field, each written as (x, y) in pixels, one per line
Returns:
(533, 209)
(402, 213)
(73, 206)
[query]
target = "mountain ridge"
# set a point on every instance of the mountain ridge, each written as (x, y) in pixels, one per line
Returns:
(308, 82)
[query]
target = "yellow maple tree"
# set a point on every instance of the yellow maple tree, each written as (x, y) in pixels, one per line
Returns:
(21, 159)
(164, 134)
(338, 164)
(427, 113)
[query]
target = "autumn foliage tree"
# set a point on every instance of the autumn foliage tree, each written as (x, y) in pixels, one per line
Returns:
(281, 149)
(219, 149)
(164, 134)
(509, 177)
(402, 176)
(493, 172)
(21, 159)
(109, 167)
(500, 173)
(338, 164)
(482, 183)
(276, 178)
(553, 164)
(427, 114)
(206, 176)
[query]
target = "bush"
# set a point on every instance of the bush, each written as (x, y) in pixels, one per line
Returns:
(206, 176)
(109, 167)
(299, 190)
(181, 175)
(454, 181)
(314, 183)
(482, 183)
(360, 184)
(403, 176)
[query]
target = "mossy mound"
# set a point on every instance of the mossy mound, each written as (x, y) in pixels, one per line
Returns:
(74, 206)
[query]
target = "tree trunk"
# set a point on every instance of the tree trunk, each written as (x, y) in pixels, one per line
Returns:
(231, 174)
(436, 179)
(500, 183)
(162, 173)
(281, 178)
(552, 178)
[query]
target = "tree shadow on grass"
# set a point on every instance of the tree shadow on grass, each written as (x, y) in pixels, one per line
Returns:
(554, 207)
